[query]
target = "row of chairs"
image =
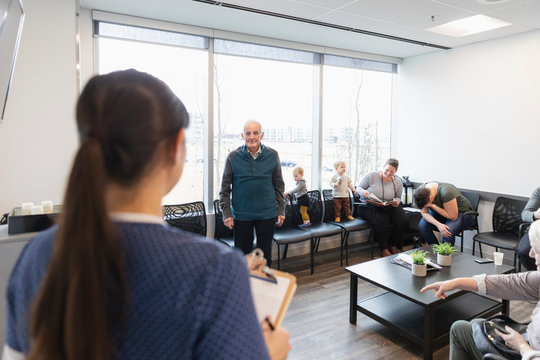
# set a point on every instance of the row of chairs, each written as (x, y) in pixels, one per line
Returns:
(192, 217)
(507, 225)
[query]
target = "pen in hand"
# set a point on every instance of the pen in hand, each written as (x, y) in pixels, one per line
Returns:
(270, 325)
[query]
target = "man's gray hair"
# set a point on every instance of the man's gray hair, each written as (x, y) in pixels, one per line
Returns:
(252, 121)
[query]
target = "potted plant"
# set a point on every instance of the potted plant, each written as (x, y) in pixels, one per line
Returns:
(419, 267)
(444, 253)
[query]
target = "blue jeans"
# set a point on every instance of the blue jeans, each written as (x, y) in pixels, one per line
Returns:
(426, 228)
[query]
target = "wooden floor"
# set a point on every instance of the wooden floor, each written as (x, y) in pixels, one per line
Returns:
(318, 317)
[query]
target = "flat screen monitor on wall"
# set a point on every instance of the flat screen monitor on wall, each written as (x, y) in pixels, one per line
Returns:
(11, 22)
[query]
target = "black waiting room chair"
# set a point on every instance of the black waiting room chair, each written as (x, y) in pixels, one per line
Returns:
(474, 199)
(188, 217)
(221, 232)
(506, 221)
(320, 229)
(290, 233)
(346, 225)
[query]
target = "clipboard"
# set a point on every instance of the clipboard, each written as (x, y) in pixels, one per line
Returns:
(272, 296)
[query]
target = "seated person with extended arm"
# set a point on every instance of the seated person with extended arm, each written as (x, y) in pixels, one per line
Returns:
(517, 286)
(530, 213)
(386, 187)
(443, 208)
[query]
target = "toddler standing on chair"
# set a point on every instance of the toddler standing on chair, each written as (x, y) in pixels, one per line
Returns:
(300, 191)
(340, 184)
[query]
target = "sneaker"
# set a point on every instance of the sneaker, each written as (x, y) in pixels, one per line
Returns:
(350, 218)
(337, 219)
(305, 224)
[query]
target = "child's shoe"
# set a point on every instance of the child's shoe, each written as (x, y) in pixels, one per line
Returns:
(338, 219)
(350, 218)
(306, 224)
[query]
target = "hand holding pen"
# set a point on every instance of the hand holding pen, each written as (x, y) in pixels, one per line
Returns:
(277, 340)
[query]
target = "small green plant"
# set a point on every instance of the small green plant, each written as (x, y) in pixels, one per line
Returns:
(445, 248)
(418, 256)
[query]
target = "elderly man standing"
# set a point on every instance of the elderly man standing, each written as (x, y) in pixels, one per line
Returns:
(253, 174)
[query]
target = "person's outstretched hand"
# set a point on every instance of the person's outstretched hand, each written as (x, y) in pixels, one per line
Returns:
(439, 288)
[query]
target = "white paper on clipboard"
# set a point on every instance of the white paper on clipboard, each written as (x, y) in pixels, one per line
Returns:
(272, 298)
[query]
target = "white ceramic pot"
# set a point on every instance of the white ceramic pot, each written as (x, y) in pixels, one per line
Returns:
(444, 260)
(419, 270)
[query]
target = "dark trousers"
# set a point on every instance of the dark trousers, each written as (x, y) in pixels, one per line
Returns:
(523, 249)
(389, 224)
(243, 236)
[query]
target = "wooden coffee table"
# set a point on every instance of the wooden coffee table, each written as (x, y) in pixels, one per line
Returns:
(421, 317)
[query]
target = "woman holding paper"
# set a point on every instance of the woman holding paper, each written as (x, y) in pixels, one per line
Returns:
(381, 190)
(113, 280)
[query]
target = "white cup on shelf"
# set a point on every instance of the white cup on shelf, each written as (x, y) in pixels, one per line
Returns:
(37, 210)
(498, 258)
(26, 208)
(48, 207)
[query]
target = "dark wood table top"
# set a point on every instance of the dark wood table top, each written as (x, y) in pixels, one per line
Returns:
(399, 280)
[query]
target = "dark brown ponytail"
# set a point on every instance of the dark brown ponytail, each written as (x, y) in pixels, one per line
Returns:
(123, 118)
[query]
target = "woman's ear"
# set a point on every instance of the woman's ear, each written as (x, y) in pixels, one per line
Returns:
(177, 150)
(180, 147)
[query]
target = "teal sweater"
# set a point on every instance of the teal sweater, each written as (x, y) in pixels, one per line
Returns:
(256, 184)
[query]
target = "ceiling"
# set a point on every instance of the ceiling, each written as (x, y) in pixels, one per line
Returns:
(323, 22)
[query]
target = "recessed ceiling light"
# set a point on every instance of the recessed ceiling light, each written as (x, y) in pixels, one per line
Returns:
(468, 26)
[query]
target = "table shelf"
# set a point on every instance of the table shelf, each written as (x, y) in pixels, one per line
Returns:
(407, 318)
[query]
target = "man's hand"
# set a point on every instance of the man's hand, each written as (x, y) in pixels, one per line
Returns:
(444, 230)
(280, 220)
(229, 222)
(395, 202)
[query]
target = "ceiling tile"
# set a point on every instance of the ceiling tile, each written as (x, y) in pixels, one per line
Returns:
(413, 13)
(525, 14)
(473, 5)
(286, 7)
(328, 4)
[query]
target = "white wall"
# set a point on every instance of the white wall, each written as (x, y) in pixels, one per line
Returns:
(471, 116)
(38, 135)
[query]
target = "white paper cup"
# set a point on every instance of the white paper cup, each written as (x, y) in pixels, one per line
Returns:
(26, 208)
(498, 258)
(37, 210)
(47, 206)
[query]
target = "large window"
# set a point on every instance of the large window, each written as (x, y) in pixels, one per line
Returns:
(356, 120)
(279, 87)
(278, 94)
(185, 71)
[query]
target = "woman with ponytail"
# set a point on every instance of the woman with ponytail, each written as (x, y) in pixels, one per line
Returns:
(112, 281)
